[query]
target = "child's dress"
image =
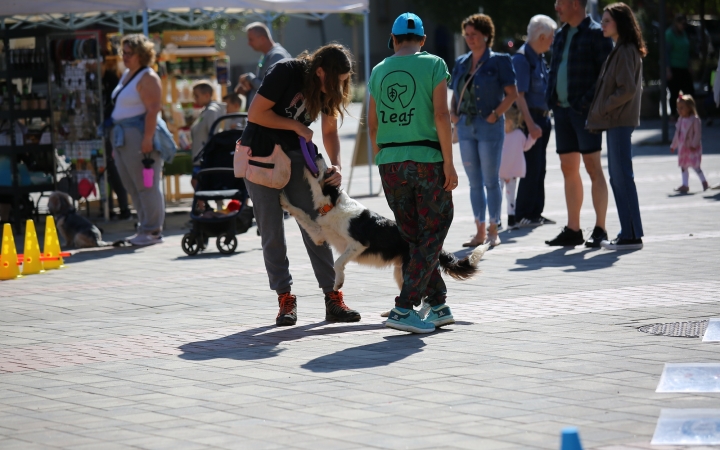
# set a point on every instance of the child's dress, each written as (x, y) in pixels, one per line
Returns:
(512, 164)
(688, 142)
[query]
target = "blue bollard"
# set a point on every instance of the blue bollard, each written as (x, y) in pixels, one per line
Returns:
(570, 439)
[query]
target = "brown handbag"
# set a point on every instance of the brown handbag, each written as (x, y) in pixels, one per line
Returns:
(455, 138)
(271, 171)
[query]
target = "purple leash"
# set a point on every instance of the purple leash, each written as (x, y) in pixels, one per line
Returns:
(309, 159)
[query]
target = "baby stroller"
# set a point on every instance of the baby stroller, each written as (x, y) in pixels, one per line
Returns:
(216, 182)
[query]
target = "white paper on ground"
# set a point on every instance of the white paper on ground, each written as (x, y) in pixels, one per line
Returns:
(712, 333)
(687, 427)
(690, 377)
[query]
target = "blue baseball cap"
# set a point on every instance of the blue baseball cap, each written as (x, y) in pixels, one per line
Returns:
(406, 23)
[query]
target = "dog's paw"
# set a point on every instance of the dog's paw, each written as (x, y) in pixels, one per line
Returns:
(339, 280)
(284, 202)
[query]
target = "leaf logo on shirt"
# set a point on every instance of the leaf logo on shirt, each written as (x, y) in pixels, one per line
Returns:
(398, 90)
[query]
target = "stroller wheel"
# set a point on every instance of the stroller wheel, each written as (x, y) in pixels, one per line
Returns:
(190, 244)
(226, 243)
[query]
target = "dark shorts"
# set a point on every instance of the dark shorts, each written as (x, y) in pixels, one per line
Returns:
(571, 135)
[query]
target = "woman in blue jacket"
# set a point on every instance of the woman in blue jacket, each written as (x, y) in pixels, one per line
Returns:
(483, 84)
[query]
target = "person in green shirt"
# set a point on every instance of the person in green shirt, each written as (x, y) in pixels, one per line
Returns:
(410, 131)
(678, 70)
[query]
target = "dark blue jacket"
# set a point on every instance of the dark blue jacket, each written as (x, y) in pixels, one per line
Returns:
(588, 51)
(490, 81)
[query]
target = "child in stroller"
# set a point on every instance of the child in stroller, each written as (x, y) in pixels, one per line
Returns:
(217, 182)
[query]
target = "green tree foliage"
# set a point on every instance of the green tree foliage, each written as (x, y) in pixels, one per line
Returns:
(510, 17)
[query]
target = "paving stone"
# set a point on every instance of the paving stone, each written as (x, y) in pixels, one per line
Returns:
(148, 348)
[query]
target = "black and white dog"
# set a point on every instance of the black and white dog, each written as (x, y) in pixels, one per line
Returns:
(363, 236)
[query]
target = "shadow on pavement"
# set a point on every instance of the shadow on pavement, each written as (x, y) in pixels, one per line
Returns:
(390, 350)
(213, 253)
(91, 254)
(261, 342)
(715, 197)
(576, 262)
(506, 236)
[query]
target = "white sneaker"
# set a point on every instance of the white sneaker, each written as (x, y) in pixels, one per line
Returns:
(145, 239)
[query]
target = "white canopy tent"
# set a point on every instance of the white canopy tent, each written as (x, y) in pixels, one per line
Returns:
(76, 14)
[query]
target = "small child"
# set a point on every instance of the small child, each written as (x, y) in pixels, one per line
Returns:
(688, 142)
(512, 165)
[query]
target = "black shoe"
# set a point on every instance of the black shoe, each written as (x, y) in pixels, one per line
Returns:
(622, 244)
(125, 215)
(598, 235)
(529, 223)
(567, 238)
(288, 310)
(547, 221)
(511, 222)
(337, 311)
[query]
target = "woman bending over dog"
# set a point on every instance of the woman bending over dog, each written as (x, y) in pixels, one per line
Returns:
(410, 130)
(292, 96)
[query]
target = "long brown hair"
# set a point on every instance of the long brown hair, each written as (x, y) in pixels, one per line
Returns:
(335, 60)
(627, 26)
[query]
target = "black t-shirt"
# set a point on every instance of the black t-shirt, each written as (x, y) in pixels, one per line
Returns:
(283, 84)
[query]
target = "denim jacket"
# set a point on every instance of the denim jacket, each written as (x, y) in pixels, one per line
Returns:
(162, 139)
(490, 80)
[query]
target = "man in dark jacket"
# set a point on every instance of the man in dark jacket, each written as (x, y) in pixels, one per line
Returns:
(579, 51)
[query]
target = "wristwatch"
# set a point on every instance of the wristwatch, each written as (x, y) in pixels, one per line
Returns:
(496, 115)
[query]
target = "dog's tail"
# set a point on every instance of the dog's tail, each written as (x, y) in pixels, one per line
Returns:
(462, 269)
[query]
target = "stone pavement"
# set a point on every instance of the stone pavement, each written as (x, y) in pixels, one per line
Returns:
(152, 349)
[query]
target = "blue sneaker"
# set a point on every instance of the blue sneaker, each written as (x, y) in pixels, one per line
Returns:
(408, 320)
(440, 315)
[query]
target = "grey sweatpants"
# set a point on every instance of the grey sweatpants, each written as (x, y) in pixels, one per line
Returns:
(148, 202)
(269, 217)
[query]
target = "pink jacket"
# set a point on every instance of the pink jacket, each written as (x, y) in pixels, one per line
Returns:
(512, 164)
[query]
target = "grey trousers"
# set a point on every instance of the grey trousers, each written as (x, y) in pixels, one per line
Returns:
(270, 220)
(148, 202)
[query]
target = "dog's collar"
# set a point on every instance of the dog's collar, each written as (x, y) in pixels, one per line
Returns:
(325, 209)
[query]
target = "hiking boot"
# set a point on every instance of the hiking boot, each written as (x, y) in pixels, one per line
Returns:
(567, 238)
(337, 311)
(288, 310)
(408, 320)
(598, 235)
(439, 316)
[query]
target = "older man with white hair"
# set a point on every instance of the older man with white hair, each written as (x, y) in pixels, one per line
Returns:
(532, 83)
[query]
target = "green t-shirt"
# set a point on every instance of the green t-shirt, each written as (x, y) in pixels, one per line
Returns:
(562, 76)
(402, 87)
(678, 49)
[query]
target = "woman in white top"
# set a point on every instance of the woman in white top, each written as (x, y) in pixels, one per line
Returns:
(137, 105)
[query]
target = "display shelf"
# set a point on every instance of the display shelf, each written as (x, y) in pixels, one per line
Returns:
(38, 159)
(35, 74)
(24, 113)
(29, 189)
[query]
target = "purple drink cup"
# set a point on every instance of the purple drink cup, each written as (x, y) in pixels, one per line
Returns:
(148, 175)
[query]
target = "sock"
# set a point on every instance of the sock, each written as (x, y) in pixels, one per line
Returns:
(685, 177)
(700, 175)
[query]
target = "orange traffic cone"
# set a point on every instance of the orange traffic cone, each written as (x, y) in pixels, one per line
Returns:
(8, 259)
(52, 246)
(31, 253)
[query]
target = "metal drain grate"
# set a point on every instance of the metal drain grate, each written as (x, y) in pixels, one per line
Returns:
(690, 329)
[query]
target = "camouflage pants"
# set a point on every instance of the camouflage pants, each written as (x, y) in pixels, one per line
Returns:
(423, 211)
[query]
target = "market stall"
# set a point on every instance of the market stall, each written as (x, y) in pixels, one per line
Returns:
(136, 15)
